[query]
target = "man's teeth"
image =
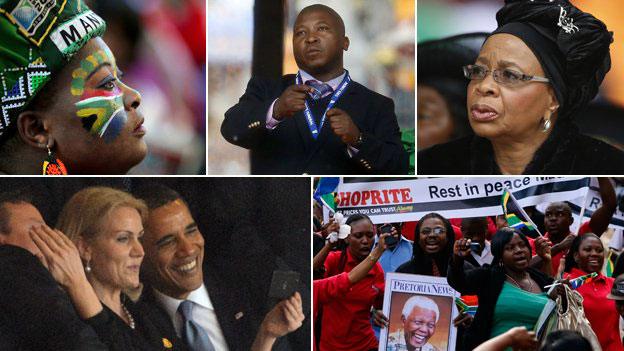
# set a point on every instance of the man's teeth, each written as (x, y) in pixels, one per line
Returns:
(187, 267)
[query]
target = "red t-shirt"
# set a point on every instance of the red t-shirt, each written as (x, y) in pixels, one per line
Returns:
(600, 311)
(325, 290)
(556, 259)
(346, 319)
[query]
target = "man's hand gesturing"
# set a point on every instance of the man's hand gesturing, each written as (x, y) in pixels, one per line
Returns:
(291, 101)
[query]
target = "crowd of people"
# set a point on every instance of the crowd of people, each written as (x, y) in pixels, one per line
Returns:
(513, 274)
(127, 268)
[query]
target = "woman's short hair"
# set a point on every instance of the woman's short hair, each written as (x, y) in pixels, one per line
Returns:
(501, 238)
(576, 245)
(83, 214)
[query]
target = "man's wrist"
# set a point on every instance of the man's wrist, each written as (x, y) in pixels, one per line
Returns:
(276, 114)
(358, 141)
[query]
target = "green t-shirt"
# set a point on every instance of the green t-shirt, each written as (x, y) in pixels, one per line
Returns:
(516, 307)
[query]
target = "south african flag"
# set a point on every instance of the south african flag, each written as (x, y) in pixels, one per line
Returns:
(515, 215)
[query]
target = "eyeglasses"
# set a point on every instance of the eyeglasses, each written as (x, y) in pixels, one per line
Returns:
(505, 77)
(435, 231)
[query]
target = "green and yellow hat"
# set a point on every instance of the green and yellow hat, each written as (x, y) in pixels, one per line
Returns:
(38, 38)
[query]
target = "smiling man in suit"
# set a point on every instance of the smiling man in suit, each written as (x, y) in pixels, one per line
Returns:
(318, 121)
(208, 303)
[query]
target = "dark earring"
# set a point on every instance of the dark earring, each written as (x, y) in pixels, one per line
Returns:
(52, 165)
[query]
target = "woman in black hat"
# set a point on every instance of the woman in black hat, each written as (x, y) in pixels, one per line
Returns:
(537, 70)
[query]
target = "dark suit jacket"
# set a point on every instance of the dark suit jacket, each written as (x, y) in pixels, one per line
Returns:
(234, 306)
(35, 313)
(290, 148)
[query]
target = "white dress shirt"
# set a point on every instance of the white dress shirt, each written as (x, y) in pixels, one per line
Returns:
(203, 314)
(486, 255)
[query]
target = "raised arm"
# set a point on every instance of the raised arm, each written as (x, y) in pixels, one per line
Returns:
(286, 317)
(600, 219)
(466, 281)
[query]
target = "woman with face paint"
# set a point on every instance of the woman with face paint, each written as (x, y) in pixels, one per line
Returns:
(64, 107)
(534, 74)
(346, 320)
(508, 283)
(586, 256)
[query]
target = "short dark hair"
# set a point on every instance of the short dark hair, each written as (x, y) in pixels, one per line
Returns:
(563, 340)
(469, 220)
(327, 9)
(357, 217)
(11, 197)
(156, 194)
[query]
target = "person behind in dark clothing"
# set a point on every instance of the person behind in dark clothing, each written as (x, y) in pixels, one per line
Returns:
(501, 287)
(318, 121)
(475, 229)
(34, 313)
(433, 247)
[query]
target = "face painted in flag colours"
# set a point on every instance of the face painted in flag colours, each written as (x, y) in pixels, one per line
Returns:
(101, 109)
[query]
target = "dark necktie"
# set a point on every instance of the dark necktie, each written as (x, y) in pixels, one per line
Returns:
(321, 89)
(196, 337)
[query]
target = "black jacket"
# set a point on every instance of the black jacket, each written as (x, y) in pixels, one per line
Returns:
(35, 312)
(290, 148)
(566, 151)
(148, 335)
(237, 312)
(487, 283)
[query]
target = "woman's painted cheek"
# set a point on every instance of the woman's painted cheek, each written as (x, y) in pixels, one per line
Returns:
(101, 111)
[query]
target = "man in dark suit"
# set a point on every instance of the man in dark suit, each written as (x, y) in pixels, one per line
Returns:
(225, 309)
(319, 121)
(35, 313)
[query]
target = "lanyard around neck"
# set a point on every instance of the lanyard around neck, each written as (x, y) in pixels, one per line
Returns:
(314, 129)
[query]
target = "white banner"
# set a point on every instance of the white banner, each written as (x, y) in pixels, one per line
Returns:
(408, 200)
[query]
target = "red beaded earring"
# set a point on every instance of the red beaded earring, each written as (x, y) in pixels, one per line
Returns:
(52, 165)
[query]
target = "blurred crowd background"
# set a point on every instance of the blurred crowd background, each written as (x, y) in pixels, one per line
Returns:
(441, 89)
(160, 46)
(380, 56)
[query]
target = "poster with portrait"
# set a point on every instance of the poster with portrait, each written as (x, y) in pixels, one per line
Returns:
(420, 311)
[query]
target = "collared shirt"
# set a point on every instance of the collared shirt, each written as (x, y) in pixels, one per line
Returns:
(391, 259)
(486, 256)
(346, 324)
(599, 310)
(271, 122)
(203, 314)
